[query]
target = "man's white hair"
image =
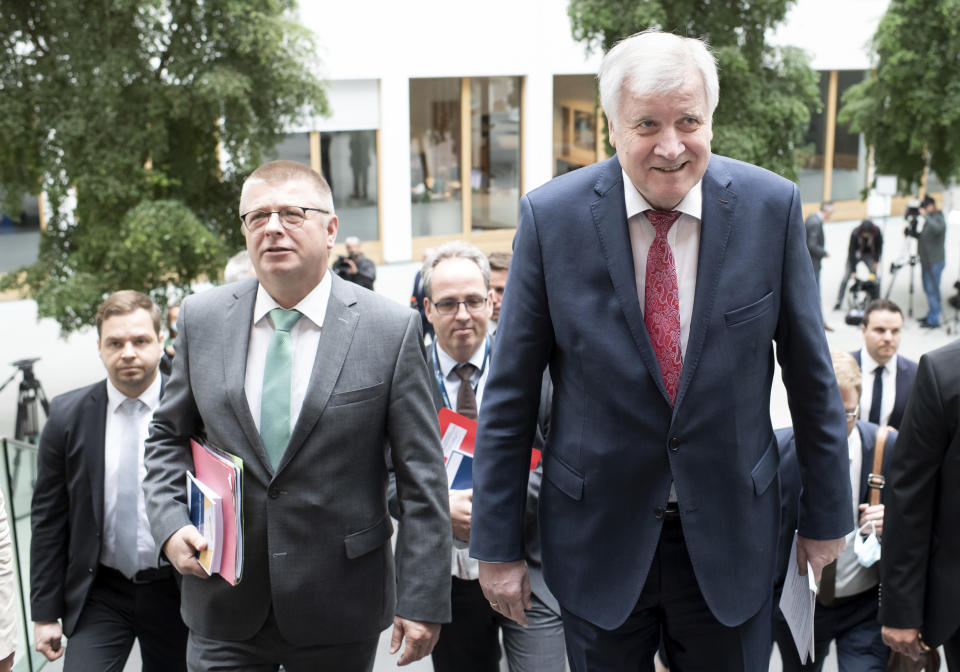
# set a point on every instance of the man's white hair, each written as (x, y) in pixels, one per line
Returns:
(655, 63)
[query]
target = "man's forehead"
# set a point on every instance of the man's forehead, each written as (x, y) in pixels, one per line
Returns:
(263, 192)
(884, 319)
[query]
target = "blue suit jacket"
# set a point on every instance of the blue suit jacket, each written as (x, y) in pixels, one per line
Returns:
(616, 444)
(906, 373)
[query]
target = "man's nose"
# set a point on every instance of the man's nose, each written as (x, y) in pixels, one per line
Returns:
(273, 225)
(669, 145)
(128, 350)
(462, 312)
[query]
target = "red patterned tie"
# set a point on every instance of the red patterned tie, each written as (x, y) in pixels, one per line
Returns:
(661, 311)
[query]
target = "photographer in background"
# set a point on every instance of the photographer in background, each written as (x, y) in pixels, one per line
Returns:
(866, 245)
(355, 267)
(931, 251)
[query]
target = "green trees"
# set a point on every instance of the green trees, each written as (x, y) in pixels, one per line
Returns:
(766, 93)
(138, 118)
(909, 108)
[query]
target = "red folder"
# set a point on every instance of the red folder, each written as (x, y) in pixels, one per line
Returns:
(219, 474)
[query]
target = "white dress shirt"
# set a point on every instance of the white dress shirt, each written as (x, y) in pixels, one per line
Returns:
(112, 438)
(684, 241)
(852, 577)
(304, 336)
(462, 565)
(868, 365)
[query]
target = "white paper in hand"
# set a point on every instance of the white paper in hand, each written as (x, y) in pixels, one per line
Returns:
(797, 603)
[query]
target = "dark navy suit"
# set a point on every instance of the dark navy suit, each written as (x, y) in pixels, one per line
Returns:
(616, 443)
(906, 373)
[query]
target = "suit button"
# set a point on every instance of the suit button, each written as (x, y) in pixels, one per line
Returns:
(273, 492)
(675, 444)
(90, 569)
(658, 512)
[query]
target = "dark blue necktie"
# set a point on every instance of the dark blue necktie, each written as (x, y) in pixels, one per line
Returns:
(877, 395)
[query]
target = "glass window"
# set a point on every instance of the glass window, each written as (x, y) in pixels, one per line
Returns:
(849, 154)
(293, 147)
(811, 157)
(348, 161)
(435, 150)
(494, 152)
(574, 122)
(20, 235)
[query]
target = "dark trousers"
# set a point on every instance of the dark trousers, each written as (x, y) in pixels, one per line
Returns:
(470, 642)
(670, 606)
(267, 650)
(852, 621)
(116, 612)
(951, 648)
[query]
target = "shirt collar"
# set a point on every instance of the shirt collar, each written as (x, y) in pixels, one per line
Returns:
(150, 396)
(448, 363)
(313, 306)
(692, 203)
(870, 365)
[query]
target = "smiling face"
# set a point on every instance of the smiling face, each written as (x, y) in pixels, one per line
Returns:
(663, 140)
(130, 350)
(461, 333)
(289, 262)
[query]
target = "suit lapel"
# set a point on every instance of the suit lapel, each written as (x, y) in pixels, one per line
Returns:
(716, 223)
(236, 342)
(610, 219)
(95, 430)
(339, 325)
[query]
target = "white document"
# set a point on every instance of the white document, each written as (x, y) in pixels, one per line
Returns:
(451, 440)
(797, 603)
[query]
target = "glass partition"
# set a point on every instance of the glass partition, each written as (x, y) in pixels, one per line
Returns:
(435, 151)
(494, 152)
(349, 163)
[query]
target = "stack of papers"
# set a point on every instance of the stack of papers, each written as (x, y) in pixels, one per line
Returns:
(206, 514)
(222, 473)
(797, 602)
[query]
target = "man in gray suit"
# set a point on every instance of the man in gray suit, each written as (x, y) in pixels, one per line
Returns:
(816, 242)
(932, 259)
(315, 400)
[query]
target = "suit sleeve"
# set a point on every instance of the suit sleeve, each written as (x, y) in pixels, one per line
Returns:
(423, 539)
(510, 403)
(167, 450)
(49, 522)
(911, 492)
(815, 405)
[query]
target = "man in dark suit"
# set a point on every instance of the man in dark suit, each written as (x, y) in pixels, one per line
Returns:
(846, 609)
(887, 377)
(416, 298)
(654, 284)
(920, 565)
(93, 565)
(313, 382)
(459, 301)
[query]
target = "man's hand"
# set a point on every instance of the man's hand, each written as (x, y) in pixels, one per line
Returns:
(47, 635)
(461, 504)
(6, 665)
(872, 514)
(350, 265)
(181, 550)
(506, 586)
(905, 640)
(819, 553)
(421, 638)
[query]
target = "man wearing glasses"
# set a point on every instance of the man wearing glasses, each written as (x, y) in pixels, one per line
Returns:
(847, 603)
(459, 300)
(306, 379)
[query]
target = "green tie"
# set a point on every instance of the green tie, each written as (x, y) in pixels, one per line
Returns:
(275, 400)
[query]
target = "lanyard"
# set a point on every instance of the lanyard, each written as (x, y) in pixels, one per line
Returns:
(439, 376)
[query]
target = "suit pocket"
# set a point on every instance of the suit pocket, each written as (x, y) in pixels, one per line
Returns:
(358, 395)
(568, 481)
(765, 469)
(369, 539)
(750, 312)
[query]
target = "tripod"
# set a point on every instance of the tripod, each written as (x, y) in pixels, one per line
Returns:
(30, 399)
(908, 256)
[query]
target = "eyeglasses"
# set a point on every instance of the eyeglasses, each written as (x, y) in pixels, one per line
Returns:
(474, 304)
(854, 414)
(291, 217)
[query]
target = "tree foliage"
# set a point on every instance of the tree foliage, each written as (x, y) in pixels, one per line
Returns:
(909, 108)
(766, 93)
(121, 112)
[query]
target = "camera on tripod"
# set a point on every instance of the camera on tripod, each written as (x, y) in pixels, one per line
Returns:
(912, 214)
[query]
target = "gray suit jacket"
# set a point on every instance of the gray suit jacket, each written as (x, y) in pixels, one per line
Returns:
(317, 532)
